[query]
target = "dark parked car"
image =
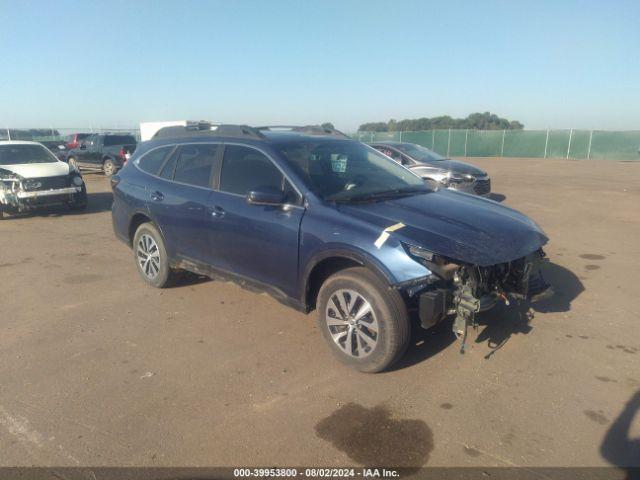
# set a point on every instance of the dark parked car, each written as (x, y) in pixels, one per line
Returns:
(31, 178)
(438, 170)
(108, 152)
(321, 221)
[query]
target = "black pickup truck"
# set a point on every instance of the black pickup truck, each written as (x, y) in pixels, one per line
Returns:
(106, 151)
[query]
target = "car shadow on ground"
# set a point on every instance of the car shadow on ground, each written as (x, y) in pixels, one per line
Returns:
(96, 202)
(425, 344)
(617, 446)
(502, 322)
(187, 279)
(566, 286)
(497, 197)
(499, 324)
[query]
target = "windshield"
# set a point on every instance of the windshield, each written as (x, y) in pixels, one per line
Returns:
(344, 170)
(420, 153)
(18, 154)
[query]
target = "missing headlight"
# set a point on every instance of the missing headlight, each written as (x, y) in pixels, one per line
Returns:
(434, 262)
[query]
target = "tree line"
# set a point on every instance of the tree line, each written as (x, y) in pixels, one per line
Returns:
(478, 121)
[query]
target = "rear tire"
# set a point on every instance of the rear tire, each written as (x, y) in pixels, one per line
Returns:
(363, 320)
(108, 167)
(151, 257)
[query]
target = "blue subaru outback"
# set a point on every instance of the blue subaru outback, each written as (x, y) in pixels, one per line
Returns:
(321, 221)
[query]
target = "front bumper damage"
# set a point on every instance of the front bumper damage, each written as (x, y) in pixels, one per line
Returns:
(478, 186)
(49, 193)
(19, 195)
(462, 291)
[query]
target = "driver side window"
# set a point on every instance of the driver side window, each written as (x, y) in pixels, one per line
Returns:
(245, 169)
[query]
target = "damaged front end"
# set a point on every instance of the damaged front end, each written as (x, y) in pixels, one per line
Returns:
(463, 290)
(19, 194)
(9, 188)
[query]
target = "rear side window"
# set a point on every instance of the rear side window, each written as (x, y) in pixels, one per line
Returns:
(195, 164)
(245, 169)
(152, 161)
(111, 140)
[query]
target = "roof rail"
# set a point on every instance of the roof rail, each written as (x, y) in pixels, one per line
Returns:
(306, 129)
(208, 129)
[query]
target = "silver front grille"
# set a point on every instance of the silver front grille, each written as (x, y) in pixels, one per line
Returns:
(482, 186)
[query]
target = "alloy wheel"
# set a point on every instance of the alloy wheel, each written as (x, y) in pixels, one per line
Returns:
(148, 256)
(352, 323)
(109, 168)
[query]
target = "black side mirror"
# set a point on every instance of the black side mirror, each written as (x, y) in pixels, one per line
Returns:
(264, 197)
(83, 146)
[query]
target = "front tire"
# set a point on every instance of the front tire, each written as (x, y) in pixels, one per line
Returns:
(80, 201)
(151, 256)
(73, 163)
(364, 322)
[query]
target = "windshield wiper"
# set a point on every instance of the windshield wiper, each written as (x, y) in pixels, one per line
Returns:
(394, 193)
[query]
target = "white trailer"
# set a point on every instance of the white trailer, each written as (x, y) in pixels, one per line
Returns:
(149, 129)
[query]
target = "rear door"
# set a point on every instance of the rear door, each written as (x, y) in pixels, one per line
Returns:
(255, 241)
(179, 200)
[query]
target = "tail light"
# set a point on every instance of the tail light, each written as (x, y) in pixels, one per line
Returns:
(123, 155)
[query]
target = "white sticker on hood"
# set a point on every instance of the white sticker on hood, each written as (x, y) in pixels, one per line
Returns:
(385, 234)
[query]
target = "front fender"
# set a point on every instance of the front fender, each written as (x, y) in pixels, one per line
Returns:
(351, 253)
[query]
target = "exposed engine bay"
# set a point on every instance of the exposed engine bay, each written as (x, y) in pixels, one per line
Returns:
(462, 290)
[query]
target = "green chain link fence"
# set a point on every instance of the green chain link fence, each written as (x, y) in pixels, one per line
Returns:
(573, 144)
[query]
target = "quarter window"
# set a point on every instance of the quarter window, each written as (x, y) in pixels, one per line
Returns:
(195, 163)
(152, 161)
(169, 167)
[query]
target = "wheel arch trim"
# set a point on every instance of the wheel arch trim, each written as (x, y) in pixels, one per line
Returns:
(358, 256)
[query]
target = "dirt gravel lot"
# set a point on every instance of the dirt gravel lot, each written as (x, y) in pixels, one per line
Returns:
(98, 369)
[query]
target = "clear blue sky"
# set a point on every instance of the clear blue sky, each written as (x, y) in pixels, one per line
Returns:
(546, 63)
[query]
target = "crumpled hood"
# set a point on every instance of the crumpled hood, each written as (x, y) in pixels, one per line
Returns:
(453, 166)
(456, 225)
(38, 170)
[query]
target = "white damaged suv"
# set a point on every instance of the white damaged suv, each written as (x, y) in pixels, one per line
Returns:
(32, 177)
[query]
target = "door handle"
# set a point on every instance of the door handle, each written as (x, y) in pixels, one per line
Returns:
(217, 212)
(157, 196)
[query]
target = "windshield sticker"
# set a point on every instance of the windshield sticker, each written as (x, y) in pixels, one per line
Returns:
(339, 164)
(385, 234)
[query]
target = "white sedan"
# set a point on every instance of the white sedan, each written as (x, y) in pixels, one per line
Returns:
(32, 177)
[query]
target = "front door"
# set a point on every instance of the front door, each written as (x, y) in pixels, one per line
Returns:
(255, 241)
